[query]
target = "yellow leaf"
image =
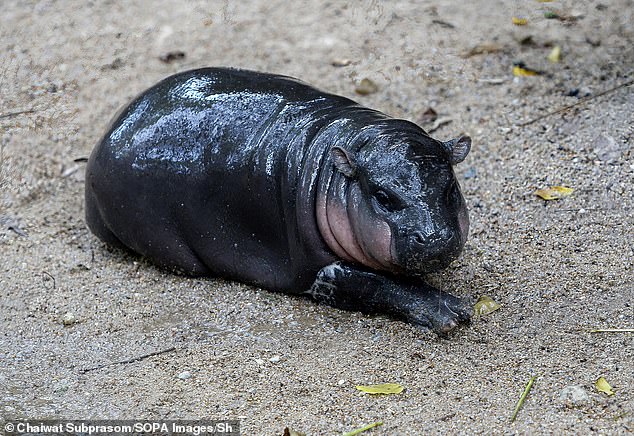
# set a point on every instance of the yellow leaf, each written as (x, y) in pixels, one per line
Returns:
(602, 385)
(386, 388)
(366, 86)
(484, 306)
(524, 72)
(555, 54)
(554, 192)
(519, 21)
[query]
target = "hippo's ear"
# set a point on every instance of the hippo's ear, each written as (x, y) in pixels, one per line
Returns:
(457, 148)
(343, 161)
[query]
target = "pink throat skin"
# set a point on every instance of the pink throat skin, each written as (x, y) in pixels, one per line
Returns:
(370, 247)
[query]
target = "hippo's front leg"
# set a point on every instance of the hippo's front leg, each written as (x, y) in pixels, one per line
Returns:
(351, 287)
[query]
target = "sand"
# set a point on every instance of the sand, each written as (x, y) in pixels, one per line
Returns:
(558, 268)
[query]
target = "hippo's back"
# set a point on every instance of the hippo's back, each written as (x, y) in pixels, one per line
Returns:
(193, 172)
(205, 117)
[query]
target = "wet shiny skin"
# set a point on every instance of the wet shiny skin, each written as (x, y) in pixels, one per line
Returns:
(231, 173)
(423, 226)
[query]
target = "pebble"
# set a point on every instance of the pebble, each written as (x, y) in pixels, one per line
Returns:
(574, 396)
(340, 62)
(607, 148)
(470, 173)
(274, 359)
(69, 318)
(185, 375)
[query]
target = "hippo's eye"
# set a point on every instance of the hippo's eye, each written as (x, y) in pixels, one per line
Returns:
(385, 200)
(453, 193)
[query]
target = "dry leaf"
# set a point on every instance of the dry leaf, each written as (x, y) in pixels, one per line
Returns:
(484, 306)
(519, 21)
(554, 192)
(386, 388)
(172, 56)
(555, 54)
(522, 71)
(602, 385)
(429, 116)
(366, 86)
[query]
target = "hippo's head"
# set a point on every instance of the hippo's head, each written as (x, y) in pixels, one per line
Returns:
(398, 206)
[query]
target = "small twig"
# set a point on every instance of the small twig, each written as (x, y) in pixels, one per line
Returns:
(593, 209)
(580, 102)
(15, 228)
(15, 114)
(527, 389)
(443, 24)
(439, 123)
(493, 80)
(612, 331)
(124, 362)
(362, 429)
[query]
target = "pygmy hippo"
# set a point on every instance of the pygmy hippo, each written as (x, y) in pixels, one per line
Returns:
(264, 179)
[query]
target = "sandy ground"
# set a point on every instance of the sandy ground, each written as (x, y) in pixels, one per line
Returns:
(557, 268)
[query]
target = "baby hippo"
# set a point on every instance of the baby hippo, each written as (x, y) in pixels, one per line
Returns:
(266, 180)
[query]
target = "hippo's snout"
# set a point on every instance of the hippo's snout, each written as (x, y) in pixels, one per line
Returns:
(427, 254)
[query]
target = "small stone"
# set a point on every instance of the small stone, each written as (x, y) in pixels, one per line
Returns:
(69, 318)
(470, 173)
(274, 359)
(574, 396)
(607, 148)
(341, 382)
(340, 62)
(185, 375)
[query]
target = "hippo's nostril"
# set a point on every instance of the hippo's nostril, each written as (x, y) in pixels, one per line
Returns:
(418, 238)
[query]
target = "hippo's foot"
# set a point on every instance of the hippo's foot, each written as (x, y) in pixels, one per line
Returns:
(350, 287)
(431, 308)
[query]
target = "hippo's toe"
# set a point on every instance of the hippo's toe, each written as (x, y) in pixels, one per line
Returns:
(442, 313)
